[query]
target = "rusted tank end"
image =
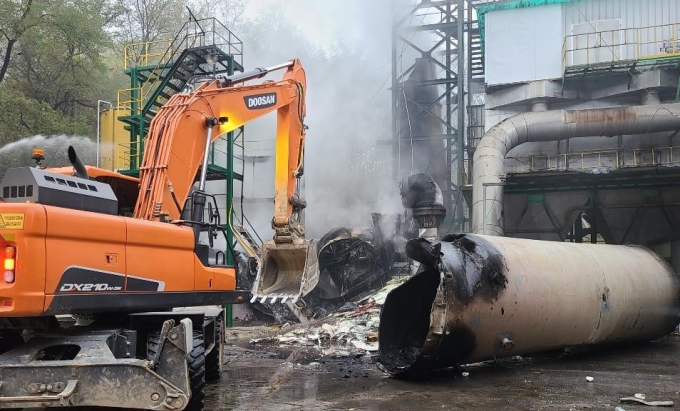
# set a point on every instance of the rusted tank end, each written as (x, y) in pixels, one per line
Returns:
(419, 328)
(405, 322)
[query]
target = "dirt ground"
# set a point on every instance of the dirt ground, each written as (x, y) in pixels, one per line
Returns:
(289, 378)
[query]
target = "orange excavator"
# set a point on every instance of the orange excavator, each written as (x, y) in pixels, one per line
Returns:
(96, 264)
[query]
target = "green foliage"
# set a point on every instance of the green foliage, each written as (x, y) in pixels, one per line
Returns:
(58, 57)
(60, 60)
(149, 20)
(23, 116)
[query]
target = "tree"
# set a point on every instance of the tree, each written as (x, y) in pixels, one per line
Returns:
(150, 20)
(60, 59)
(16, 18)
(22, 116)
(229, 12)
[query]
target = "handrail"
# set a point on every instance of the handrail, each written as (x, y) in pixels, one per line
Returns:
(215, 34)
(626, 44)
(597, 159)
(139, 54)
(125, 97)
(127, 151)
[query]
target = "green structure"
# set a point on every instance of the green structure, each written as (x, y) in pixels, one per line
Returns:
(202, 49)
(158, 69)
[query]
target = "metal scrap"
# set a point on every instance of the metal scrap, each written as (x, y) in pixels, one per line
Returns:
(340, 334)
(633, 400)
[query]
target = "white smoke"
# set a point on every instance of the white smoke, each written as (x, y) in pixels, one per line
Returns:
(347, 161)
(18, 153)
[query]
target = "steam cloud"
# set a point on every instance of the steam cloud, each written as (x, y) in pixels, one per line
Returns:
(347, 169)
(18, 153)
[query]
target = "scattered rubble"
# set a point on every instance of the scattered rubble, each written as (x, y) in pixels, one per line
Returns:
(354, 263)
(351, 331)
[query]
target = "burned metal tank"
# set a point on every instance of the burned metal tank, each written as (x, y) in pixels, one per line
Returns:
(481, 297)
(419, 111)
(351, 259)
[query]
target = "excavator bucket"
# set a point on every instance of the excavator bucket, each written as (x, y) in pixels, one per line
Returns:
(287, 271)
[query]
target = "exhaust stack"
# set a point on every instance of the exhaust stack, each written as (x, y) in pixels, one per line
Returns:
(78, 165)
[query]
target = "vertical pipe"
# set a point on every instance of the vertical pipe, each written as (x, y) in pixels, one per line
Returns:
(229, 314)
(461, 108)
(484, 211)
(395, 136)
(135, 130)
(206, 154)
(448, 199)
(466, 134)
(230, 184)
(230, 260)
(230, 195)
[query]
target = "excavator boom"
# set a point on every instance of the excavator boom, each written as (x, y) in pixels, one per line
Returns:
(176, 153)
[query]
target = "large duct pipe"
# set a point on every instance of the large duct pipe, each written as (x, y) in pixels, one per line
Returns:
(482, 297)
(487, 194)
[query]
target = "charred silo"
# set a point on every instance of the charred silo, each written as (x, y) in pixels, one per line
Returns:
(482, 297)
(418, 113)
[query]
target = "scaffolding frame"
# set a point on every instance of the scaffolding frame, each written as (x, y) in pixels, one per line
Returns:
(448, 54)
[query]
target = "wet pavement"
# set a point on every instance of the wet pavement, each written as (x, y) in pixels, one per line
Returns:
(290, 378)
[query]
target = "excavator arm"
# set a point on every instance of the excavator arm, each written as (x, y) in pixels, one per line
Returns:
(176, 156)
(175, 147)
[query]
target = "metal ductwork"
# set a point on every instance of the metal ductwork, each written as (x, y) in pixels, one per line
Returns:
(481, 297)
(487, 194)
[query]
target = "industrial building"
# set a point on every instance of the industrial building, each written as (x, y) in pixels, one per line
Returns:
(460, 70)
(535, 173)
(525, 61)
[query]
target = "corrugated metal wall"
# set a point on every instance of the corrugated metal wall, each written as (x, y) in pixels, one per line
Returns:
(633, 13)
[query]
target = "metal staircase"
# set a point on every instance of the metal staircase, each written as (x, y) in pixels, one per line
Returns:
(201, 49)
(476, 56)
(250, 245)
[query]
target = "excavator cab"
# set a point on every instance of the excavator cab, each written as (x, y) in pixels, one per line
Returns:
(286, 271)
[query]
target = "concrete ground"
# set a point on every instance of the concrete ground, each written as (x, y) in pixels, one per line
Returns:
(273, 378)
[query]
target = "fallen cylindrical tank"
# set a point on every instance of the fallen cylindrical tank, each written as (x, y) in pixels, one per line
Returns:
(481, 297)
(351, 260)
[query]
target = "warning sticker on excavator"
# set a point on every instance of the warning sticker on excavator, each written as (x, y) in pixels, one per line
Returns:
(11, 221)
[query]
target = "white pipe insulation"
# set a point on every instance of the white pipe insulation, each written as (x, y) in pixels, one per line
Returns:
(553, 125)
